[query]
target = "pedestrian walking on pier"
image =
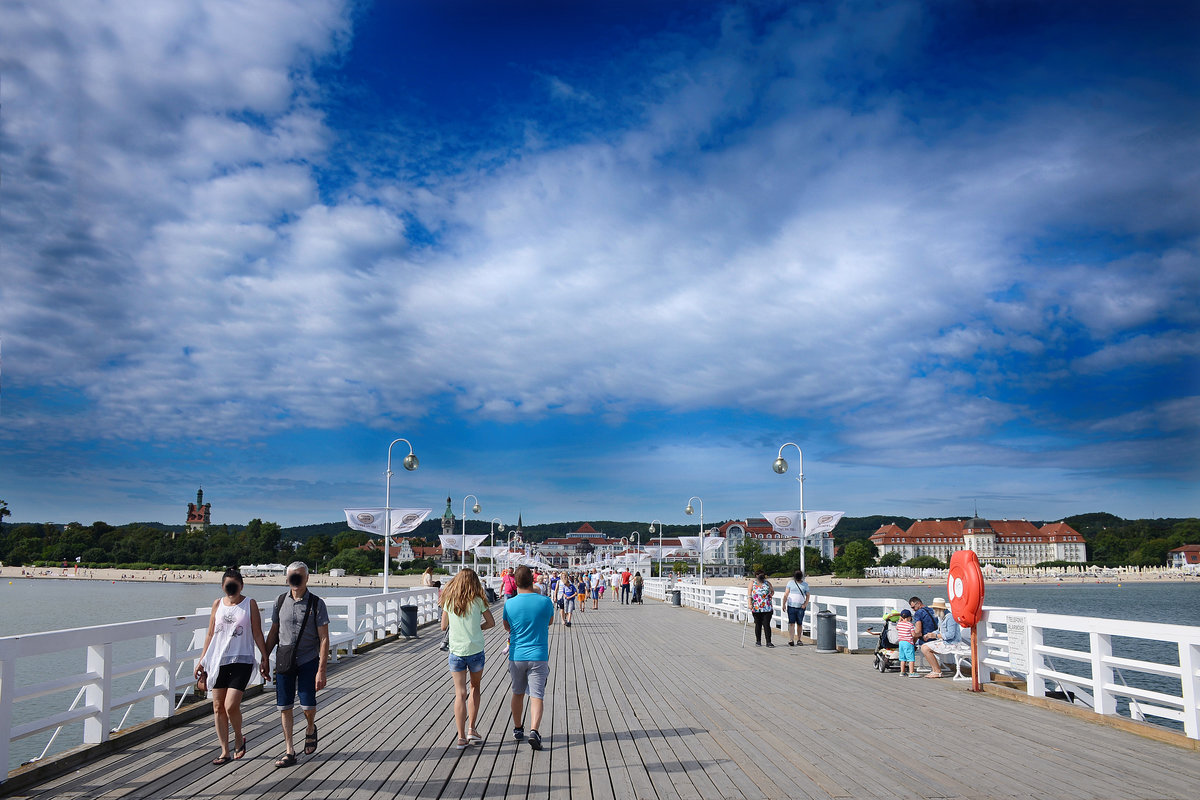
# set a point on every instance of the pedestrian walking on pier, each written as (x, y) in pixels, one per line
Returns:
(795, 601)
(527, 618)
(300, 626)
(625, 587)
(227, 660)
(760, 597)
(465, 616)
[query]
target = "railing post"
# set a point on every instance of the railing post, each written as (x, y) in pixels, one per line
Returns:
(8, 685)
(1102, 673)
(1035, 685)
(164, 675)
(99, 694)
(852, 624)
(1189, 663)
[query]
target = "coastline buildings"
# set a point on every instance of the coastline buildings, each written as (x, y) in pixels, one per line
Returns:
(773, 543)
(1008, 543)
(1187, 556)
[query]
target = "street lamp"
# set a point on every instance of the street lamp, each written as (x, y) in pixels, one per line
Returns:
(689, 511)
(474, 510)
(410, 464)
(780, 466)
(492, 543)
(660, 542)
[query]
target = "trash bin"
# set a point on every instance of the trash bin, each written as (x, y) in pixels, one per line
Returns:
(826, 631)
(676, 597)
(408, 622)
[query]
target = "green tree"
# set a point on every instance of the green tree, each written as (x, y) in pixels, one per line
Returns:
(350, 539)
(853, 561)
(891, 559)
(356, 562)
(924, 562)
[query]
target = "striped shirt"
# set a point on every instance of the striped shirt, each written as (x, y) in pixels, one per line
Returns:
(904, 630)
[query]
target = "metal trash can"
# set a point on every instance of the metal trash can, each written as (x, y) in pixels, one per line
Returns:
(826, 631)
(408, 622)
(676, 597)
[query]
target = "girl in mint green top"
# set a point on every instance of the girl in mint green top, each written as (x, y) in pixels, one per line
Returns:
(465, 616)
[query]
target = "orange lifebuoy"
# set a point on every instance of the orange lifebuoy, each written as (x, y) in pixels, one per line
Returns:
(964, 587)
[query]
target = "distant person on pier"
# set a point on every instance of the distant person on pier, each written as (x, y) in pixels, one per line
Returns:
(300, 626)
(760, 598)
(527, 618)
(465, 616)
(907, 652)
(508, 585)
(427, 577)
(227, 660)
(625, 586)
(638, 584)
(948, 639)
(795, 601)
(614, 580)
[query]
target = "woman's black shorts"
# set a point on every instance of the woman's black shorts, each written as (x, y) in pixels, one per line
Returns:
(233, 676)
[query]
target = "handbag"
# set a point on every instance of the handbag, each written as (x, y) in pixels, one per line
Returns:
(285, 659)
(202, 680)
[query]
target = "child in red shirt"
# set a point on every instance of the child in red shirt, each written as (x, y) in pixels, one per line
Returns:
(908, 652)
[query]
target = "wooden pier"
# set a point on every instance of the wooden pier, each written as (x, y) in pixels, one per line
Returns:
(652, 702)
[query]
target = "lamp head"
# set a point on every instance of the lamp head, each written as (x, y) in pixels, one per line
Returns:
(689, 510)
(650, 529)
(411, 462)
(475, 508)
(500, 527)
(780, 466)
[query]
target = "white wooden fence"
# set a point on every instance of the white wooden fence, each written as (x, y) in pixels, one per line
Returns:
(164, 652)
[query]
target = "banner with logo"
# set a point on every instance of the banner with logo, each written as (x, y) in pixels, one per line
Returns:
(819, 523)
(455, 541)
(692, 543)
(372, 520)
(784, 522)
(496, 553)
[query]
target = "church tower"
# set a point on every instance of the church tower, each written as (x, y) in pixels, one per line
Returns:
(199, 513)
(448, 520)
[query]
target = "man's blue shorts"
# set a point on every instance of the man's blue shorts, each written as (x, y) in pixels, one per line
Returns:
(795, 615)
(304, 682)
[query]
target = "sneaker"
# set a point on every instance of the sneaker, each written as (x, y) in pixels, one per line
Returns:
(758, 644)
(770, 645)
(535, 740)
(791, 644)
(519, 733)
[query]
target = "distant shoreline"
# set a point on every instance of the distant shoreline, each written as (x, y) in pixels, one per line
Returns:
(213, 577)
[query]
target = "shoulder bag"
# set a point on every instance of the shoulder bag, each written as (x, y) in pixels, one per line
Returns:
(285, 659)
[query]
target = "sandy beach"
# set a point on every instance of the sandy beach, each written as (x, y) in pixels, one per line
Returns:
(404, 581)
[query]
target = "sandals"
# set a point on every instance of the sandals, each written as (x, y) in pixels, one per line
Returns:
(473, 737)
(310, 742)
(240, 752)
(462, 744)
(221, 761)
(286, 760)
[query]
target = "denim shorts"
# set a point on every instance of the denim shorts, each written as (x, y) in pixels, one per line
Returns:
(471, 663)
(795, 615)
(303, 682)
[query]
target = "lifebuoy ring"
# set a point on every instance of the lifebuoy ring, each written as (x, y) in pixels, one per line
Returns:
(964, 587)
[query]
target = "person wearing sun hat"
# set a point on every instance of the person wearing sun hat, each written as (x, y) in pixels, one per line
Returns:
(948, 638)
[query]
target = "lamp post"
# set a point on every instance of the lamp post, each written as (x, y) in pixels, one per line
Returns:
(780, 466)
(660, 544)
(474, 510)
(689, 511)
(492, 543)
(410, 463)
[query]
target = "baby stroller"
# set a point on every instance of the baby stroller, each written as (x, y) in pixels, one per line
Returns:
(887, 652)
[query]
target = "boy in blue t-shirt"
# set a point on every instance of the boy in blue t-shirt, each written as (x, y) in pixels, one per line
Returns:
(527, 618)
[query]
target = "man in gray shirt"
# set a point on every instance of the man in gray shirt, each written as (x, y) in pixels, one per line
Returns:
(299, 619)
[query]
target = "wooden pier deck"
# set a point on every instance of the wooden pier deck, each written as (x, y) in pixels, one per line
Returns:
(653, 702)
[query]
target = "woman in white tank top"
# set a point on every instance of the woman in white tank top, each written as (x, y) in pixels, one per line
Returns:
(227, 660)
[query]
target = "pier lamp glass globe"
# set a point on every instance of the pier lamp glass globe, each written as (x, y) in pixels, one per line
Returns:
(475, 508)
(780, 466)
(689, 510)
(411, 462)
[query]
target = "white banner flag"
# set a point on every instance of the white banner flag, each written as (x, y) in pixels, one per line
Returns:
(663, 552)
(496, 553)
(784, 522)
(372, 520)
(455, 541)
(819, 523)
(710, 543)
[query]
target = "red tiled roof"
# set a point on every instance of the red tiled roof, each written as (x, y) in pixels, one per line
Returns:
(587, 528)
(950, 531)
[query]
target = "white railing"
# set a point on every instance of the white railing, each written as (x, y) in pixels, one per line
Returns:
(1163, 683)
(96, 703)
(164, 652)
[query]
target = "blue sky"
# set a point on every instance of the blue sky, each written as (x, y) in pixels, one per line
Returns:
(595, 258)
